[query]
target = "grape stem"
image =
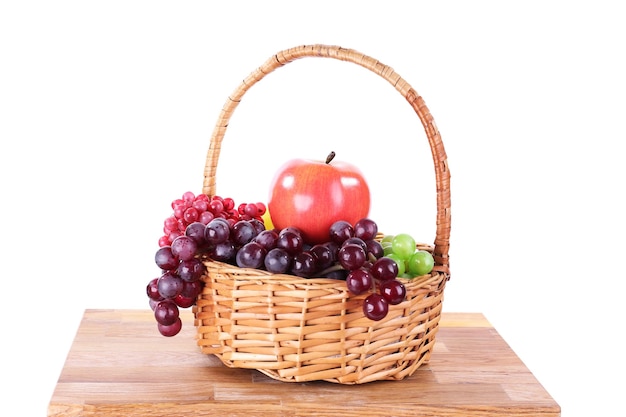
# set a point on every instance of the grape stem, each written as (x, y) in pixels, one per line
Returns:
(330, 157)
(332, 268)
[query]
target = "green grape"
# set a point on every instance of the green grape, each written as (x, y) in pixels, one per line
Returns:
(401, 263)
(387, 249)
(386, 238)
(420, 263)
(403, 245)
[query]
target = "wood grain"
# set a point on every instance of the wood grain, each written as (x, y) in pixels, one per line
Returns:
(119, 365)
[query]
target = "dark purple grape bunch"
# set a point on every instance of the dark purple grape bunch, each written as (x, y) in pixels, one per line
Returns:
(352, 253)
(180, 282)
(368, 270)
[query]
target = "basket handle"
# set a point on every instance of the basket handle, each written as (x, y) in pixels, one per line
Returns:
(442, 173)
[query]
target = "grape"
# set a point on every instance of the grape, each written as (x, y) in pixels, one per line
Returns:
(228, 203)
(217, 231)
(393, 291)
(216, 206)
(420, 263)
(206, 217)
(192, 289)
(165, 259)
(323, 255)
(224, 251)
(258, 225)
(195, 231)
(261, 208)
(365, 229)
(304, 264)
(188, 197)
(191, 270)
(242, 232)
(375, 307)
(384, 269)
(290, 241)
(251, 255)
(359, 281)
(334, 249)
(152, 290)
(267, 239)
(179, 207)
(181, 225)
(340, 231)
(351, 256)
(190, 215)
(278, 261)
(189, 294)
(173, 235)
(400, 263)
(387, 249)
(184, 248)
(172, 329)
(251, 210)
(356, 241)
(166, 312)
(403, 245)
(183, 301)
(387, 239)
(201, 203)
(170, 224)
(375, 248)
(170, 285)
(292, 230)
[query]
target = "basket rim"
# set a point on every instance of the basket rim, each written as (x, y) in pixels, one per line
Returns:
(261, 275)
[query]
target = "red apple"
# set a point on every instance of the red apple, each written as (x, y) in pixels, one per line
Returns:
(312, 195)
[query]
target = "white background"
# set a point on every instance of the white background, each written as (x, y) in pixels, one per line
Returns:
(106, 109)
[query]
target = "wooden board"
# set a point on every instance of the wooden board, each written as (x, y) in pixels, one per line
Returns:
(119, 365)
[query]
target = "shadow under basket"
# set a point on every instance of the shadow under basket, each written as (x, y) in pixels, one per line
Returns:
(297, 329)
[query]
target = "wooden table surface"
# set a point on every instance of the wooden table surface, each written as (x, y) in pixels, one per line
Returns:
(119, 365)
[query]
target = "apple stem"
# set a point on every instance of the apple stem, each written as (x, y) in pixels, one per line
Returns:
(330, 157)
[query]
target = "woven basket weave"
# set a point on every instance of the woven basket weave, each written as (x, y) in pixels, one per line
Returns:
(297, 329)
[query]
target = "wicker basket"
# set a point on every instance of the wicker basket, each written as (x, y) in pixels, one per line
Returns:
(297, 329)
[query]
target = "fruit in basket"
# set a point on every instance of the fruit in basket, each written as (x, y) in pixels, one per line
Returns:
(403, 245)
(312, 195)
(267, 220)
(412, 262)
(420, 263)
(375, 306)
(349, 251)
